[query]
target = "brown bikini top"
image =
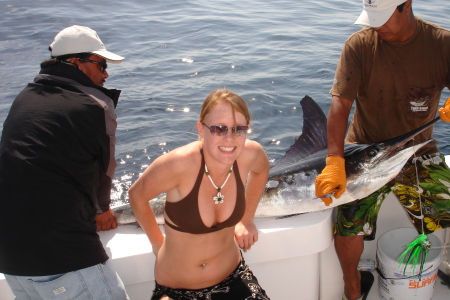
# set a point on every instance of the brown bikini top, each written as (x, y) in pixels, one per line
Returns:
(185, 214)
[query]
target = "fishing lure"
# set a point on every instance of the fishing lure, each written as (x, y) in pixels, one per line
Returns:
(416, 253)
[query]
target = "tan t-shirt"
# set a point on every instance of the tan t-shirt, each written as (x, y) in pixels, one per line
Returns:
(396, 85)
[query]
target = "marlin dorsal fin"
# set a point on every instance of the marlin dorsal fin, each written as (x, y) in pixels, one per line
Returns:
(313, 137)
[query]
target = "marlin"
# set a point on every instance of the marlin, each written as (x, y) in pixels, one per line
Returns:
(290, 188)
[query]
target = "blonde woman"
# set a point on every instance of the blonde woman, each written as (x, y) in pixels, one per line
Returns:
(212, 187)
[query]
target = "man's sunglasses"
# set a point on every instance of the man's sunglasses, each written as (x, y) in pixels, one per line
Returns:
(102, 65)
(222, 130)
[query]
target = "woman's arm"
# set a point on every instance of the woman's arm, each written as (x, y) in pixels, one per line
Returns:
(161, 176)
(246, 233)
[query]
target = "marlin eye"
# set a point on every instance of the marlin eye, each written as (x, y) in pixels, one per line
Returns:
(372, 152)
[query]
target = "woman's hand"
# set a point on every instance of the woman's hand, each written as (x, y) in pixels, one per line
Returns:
(246, 234)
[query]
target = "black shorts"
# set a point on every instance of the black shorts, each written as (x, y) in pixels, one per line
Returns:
(241, 284)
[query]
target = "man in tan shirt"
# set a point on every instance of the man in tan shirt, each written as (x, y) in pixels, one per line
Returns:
(394, 70)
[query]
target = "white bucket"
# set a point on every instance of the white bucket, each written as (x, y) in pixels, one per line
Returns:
(407, 286)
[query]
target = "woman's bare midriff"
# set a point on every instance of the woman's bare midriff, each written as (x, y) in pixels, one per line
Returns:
(196, 261)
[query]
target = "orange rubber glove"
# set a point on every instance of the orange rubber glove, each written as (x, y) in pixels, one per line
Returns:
(332, 177)
(444, 112)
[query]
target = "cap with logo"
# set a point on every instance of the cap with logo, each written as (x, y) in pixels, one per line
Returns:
(377, 12)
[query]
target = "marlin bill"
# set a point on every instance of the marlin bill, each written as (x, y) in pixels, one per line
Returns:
(290, 188)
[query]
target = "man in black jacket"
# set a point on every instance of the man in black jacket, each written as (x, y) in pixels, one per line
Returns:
(56, 168)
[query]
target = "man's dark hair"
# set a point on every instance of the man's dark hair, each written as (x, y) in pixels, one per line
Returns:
(67, 56)
(400, 7)
(63, 58)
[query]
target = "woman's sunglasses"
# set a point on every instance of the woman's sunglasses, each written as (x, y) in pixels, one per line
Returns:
(222, 130)
(102, 65)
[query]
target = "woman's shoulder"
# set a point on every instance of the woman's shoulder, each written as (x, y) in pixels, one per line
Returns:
(252, 152)
(184, 156)
(188, 150)
(251, 145)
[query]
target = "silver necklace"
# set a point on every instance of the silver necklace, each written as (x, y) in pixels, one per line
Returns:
(219, 198)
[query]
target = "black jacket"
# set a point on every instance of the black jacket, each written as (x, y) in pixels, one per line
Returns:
(56, 168)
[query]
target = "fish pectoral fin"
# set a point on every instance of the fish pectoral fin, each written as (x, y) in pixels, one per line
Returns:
(327, 200)
(330, 194)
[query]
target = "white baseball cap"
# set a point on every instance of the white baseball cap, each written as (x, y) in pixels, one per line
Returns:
(377, 12)
(80, 39)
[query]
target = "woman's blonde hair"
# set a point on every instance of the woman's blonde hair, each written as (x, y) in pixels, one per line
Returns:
(224, 96)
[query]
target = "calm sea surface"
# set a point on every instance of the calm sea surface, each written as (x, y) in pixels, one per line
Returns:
(272, 53)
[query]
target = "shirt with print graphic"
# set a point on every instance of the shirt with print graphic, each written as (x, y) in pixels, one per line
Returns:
(396, 85)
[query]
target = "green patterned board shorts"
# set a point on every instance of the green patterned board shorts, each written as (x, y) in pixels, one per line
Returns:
(359, 217)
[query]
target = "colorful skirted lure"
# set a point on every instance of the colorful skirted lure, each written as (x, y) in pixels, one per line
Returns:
(416, 253)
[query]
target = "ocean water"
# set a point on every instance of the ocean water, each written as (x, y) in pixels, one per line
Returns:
(272, 53)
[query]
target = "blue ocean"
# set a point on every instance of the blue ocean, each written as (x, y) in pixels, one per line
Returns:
(272, 53)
